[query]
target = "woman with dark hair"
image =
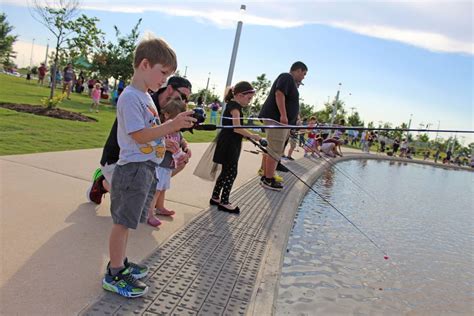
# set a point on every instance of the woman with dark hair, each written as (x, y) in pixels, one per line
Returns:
(229, 144)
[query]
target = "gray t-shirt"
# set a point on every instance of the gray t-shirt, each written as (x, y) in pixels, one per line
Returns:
(136, 111)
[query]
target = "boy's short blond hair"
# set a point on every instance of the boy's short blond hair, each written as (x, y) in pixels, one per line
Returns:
(156, 51)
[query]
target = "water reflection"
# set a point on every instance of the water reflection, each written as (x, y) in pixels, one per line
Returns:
(328, 178)
(423, 221)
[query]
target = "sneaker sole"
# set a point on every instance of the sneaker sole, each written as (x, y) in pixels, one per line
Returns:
(88, 192)
(108, 287)
(270, 188)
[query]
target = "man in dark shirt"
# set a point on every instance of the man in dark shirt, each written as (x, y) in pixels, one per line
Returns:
(176, 87)
(282, 105)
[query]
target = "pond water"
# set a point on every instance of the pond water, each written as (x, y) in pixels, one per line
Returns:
(421, 216)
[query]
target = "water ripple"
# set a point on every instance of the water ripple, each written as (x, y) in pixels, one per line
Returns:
(422, 216)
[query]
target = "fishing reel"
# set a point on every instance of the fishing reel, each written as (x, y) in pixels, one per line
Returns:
(200, 115)
(263, 142)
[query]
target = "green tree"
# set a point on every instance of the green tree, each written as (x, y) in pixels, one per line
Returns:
(354, 120)
(261, 86)
(324, 115)
(423, 138)
(6, 41)
(306, 110)
(88, 39)
(58, 18)
(116, 59)
(206, 94)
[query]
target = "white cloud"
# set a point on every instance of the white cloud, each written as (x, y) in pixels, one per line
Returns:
(437, 25)
(427, 40)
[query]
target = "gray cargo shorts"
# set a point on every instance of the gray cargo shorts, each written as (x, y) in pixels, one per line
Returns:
(132, 191)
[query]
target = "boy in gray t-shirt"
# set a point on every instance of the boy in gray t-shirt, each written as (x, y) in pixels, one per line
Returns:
(142, 147)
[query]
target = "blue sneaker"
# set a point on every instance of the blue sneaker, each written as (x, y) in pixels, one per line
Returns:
(125, 284)
(139, 271)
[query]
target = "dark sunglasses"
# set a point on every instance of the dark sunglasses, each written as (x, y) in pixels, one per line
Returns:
(183, 96)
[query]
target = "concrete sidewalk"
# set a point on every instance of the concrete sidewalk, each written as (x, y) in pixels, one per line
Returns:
(54, 243)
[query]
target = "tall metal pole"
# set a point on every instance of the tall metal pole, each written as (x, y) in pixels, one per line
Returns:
(207, 87)
(185, 71)
(436, 139)
(334, 105)
(243, 7)
(46, 56)
(228, 83)
(409, 123)
(31, 55)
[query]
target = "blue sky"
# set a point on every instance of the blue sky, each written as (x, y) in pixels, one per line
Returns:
(392, 58)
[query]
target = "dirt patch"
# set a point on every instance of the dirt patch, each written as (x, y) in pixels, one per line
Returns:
(43, 111)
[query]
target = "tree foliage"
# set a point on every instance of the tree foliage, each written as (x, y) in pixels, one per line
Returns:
(115, 59)
(355, 120)
(325, 115)
(206, 94)
(261, 86)
(88, 38)
(306, 110)
(6, 41)
(58, 18)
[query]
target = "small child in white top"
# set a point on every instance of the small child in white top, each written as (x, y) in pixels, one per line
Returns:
(174, 146)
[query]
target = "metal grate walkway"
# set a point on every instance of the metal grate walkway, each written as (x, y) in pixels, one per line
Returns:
(210, 266)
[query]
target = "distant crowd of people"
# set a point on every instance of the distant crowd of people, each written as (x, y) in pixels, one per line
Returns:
(69, 81)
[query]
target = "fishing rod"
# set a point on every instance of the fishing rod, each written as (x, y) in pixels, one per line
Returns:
(355, 182)
(262, 148)
(213, 127)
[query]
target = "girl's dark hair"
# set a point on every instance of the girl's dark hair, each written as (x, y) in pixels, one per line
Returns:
(240, 87)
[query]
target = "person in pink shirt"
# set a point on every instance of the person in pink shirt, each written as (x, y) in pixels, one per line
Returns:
(95, 98)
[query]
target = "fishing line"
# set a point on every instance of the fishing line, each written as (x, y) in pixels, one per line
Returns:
(213, 127)
(355, 182)
(386, 257)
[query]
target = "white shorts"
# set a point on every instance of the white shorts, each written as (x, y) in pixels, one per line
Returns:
(164, 178)
(108, 171)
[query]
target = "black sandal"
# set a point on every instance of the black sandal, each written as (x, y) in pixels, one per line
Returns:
(213, 202)
(235, 210)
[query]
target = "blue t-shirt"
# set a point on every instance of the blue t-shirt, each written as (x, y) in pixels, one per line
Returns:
(136, 111)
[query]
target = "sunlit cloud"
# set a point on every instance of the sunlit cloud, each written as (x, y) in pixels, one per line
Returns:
(429, 41)
(440, 26)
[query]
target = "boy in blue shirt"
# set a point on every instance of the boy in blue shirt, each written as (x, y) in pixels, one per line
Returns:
(142, 148)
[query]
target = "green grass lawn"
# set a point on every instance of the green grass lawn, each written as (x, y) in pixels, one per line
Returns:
(22, 133)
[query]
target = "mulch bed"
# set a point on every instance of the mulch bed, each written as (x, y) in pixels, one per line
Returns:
(43, 111)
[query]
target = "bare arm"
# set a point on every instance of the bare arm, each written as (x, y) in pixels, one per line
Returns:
(183, 120)
(236, 122)
(280, 101)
